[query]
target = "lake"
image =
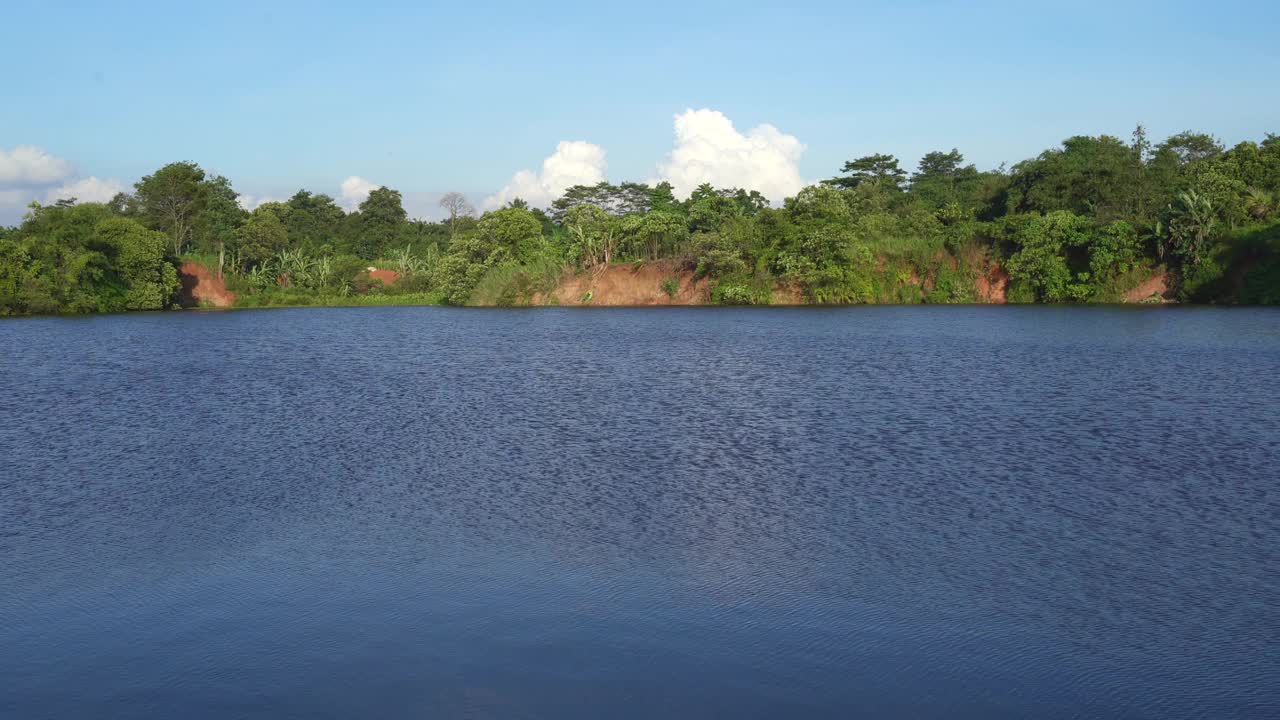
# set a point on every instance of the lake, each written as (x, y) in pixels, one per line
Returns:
(926, 512)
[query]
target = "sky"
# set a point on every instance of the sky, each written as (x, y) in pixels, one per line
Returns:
(506, 99)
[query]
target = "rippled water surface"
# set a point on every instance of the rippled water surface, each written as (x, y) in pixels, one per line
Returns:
(424, 512)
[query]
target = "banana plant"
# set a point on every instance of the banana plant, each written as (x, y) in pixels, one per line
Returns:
(1191, 223)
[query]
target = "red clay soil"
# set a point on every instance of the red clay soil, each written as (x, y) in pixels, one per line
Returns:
(386, 276)
(631, 285)
(202, 288)
(993, 286)
(1153, 289)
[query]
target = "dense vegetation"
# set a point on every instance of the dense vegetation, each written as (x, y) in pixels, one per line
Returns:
(1084, 222)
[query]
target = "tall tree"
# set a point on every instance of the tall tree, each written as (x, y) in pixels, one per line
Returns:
(879, 169)
(616, 200)
(456, 204)
(1141, 148)
(1189, 147)
(1088, 176)
(262, 235)
(171, 199)
(938, 164)
(314, 221)
(383, 222)
(219, 219)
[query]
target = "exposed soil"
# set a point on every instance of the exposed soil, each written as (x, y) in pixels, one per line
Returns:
(387, 277)
(202, 288)
(1154, 289)
(993, 286)
(631, 285)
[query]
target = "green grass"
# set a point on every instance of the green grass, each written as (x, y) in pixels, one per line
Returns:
(511, 284)
(303, 298)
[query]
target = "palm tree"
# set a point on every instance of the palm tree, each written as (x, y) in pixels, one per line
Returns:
(1259, 203)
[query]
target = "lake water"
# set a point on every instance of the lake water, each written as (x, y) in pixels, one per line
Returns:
(953, 512)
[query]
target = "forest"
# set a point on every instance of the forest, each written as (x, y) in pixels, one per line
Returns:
(1084, 222)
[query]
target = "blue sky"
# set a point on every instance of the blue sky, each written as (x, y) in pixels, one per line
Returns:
(431, 97)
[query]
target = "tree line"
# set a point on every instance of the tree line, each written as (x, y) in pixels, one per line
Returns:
(1082, 222)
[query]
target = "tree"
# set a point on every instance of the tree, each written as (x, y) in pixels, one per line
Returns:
(593, 235)
(83, 258)
(515, 229)
(1041, 261)
(652, 235)
(123, 204)
(1189, 147)
(1091, 176)
(219, 219)
(662, 197)
(879, 169)
(942, 179)
(262, 235)
(1141, 149)
(938, 164)
(314, 221)
(456, 204)
(382, 223)
(149, 280)
(171, 199)
(615, 200)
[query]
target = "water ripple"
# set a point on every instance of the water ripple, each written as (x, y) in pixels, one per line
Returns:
(863, 512)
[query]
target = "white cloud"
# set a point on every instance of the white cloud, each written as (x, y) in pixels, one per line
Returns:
(574, 162)
(13, 203)
(355, 189)
(30, 165)
(709, 149)
(250, 202)
(90, 189)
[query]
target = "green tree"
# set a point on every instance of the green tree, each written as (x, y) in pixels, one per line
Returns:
(593, 235)
(879, 169)
(262, 235)
(382, 223)
(314, 221)
(150, 280)
(171, 199)
(221, 216)
(515, 229)
(1092, 176)
(1041, 261)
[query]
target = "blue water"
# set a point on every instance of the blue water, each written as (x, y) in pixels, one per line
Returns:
(423, 512)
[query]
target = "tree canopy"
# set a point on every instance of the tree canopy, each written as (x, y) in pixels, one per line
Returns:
(1084, 221)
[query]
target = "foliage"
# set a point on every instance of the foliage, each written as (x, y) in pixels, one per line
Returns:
(172, 199)
(1082, 222)
(83, 258)
(670, 286)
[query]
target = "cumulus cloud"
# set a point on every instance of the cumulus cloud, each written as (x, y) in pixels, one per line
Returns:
(709, 149)
(30, 165)
(90, 189)
(354, 191)
(250, 202)
(574, 162)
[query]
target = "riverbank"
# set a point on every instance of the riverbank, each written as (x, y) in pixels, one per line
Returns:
(658, 283)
